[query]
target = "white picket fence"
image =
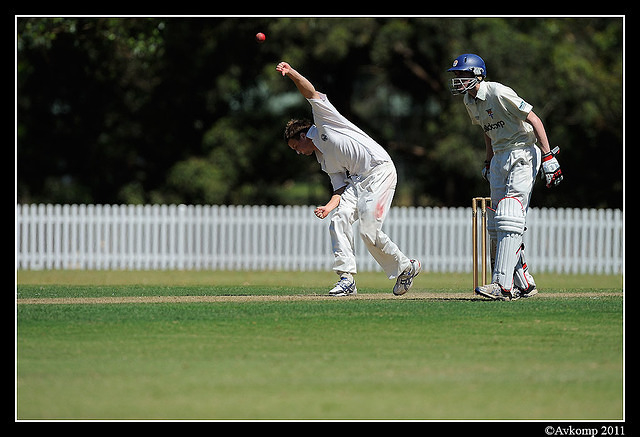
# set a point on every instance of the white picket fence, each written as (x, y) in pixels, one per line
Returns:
(291, 238)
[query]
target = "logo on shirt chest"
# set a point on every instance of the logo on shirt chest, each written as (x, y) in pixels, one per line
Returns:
(491, 126)
(324, 137)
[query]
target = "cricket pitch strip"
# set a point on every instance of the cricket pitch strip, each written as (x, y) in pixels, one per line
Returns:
(299, 297)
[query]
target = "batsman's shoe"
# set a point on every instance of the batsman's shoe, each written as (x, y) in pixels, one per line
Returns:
(344, 287)
(405, 280)
(529, 292)
(493, 291)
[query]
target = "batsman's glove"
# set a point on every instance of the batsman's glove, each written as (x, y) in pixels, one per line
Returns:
(485, 170)
(551, 168)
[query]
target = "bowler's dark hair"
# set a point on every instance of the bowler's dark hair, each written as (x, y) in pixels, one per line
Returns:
(295, 127)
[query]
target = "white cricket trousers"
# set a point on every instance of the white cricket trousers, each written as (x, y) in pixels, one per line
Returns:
(511, 176)
(367, 198)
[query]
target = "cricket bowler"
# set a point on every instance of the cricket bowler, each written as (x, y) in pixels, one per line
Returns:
(516, 143)
(363, 178)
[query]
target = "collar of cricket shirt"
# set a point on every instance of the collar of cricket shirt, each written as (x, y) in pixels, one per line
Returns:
(480, 95)
(482, 91)
(312, 132)
(314, 136)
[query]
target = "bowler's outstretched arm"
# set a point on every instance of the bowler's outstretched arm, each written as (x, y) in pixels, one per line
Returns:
(305, 87)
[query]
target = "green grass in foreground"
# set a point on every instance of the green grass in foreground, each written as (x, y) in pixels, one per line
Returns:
(545, 358)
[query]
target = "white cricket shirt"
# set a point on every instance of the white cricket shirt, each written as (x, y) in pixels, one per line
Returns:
(501, 114)
(343, 146)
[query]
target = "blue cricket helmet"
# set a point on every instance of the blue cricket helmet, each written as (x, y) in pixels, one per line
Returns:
(469, 62)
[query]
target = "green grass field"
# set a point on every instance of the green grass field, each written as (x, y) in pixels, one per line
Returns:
(285, 351)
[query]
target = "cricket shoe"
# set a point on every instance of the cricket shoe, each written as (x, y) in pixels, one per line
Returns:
(494, 291)
(529, 292)
(405, 280)
(344, 287)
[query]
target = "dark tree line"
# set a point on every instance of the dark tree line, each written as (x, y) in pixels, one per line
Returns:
(191, 110)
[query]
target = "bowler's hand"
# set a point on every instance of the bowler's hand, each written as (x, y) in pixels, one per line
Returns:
(284, 68)
(321, 212)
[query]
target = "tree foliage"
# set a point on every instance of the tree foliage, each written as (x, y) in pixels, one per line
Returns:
(191, 109)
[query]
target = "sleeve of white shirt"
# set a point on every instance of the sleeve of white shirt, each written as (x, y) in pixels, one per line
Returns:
(326, 114)
(324, 111)
(514, 104)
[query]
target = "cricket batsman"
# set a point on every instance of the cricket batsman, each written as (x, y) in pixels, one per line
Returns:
(516, 143)
(364, 180)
